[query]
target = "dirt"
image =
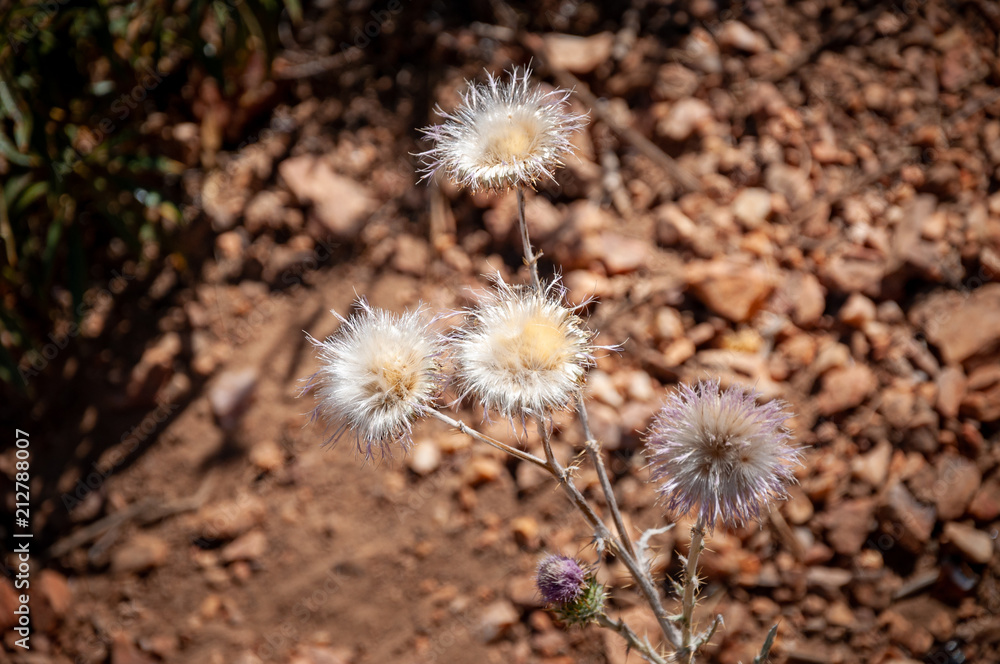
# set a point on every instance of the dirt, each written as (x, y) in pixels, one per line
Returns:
(799, 197)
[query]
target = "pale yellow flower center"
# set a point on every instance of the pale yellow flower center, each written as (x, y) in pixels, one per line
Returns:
(540, 346)
(514, 140)
(395, 379)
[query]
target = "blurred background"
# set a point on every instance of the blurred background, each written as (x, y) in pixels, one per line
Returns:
(798, 196)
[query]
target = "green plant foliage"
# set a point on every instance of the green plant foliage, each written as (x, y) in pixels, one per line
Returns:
(86, 90)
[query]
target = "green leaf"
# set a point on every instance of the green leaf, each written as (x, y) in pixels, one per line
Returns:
(30, 195)
(294, 8)
(8, 150)
(9, 372)
(52, 239)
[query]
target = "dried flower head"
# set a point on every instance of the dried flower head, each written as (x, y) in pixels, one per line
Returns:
(522, 352)
(378, 374)
(504, 134)
(722, 453)
(560, 580)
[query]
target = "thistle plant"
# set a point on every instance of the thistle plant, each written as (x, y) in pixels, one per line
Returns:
(523, 354)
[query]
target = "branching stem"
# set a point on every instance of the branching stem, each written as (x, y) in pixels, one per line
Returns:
(472, 433)
(642, 646)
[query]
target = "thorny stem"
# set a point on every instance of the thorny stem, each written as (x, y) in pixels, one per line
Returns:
(472, 433)
(562, 476)
(686, 651)
(623, 545)
(634, 642)
(529, 255)
(594, 452)
(637, 571)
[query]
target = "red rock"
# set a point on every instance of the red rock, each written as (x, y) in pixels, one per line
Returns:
(496, 620)
(339, 203)
(140, 553)
(854, 269)
(249, 546)
(619, 254)
(985, 505)
(976, 545)
(685, 117)
(267, 455)
(580, 55)
(927, 612)
(845, 388)
(848, 525)
(412, 255)
(957, 481)
(731, 289)
(914, 638)
(857, 310)
(226, 520)
(752, 207)
(793, 183)
(829, 578)
(230, 396)
(951, 391)
(873, 467)
(982, 395)
(798, 508)
(154, 369)
(897, 404)
(960, 325)
(269, 209)
(737, 36)
(840, 614)
(906, 520)
(808, 299)
(424, 457)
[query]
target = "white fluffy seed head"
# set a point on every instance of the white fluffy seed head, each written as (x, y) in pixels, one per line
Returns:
(721, 453)
(504, 134)
(377, 375)
(522, 353)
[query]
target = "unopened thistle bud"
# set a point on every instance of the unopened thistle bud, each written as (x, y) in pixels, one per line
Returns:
(378, 374)
(523, 352)
(504, 134)
(720, 453)
(569, 590)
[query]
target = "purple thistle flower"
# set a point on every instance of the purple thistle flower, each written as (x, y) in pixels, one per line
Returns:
(560, 580)
(721, 452)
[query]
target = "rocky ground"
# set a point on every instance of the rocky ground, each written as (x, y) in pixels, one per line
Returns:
(798, 197)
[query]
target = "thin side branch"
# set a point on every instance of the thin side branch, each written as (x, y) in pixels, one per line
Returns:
(594, 452)
(472, 433)
(641, 646)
